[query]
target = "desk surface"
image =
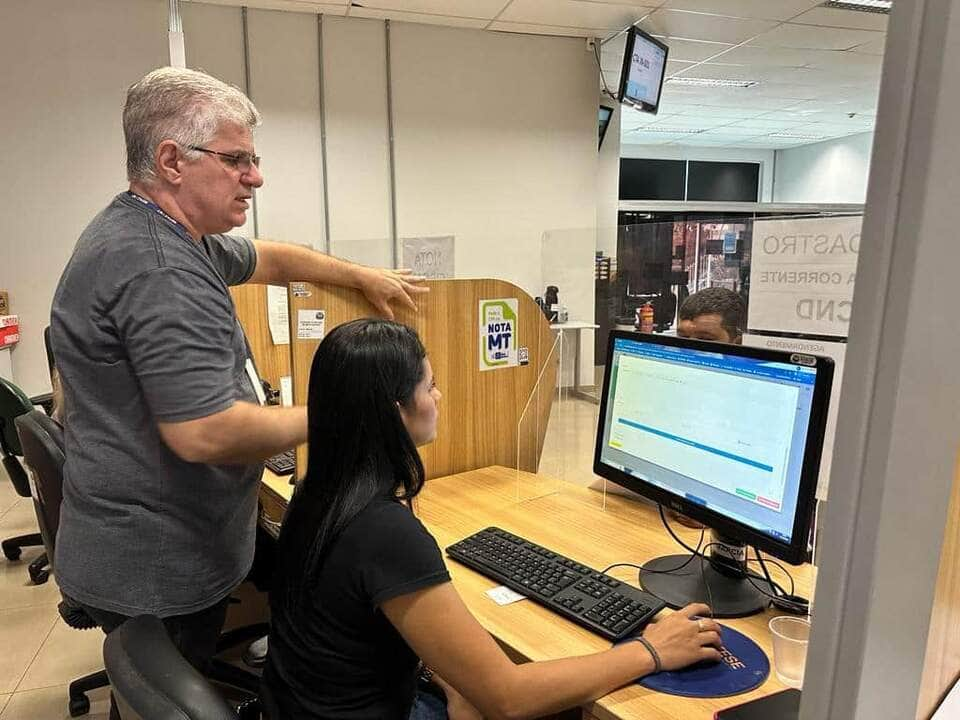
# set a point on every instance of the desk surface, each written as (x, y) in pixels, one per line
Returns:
(584, 525)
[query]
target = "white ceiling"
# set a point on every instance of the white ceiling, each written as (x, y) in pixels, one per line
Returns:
(817, 69)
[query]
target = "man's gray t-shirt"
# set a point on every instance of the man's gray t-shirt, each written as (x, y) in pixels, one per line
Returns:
(144, 331)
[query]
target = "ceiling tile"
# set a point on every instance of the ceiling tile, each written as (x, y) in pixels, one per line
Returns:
(689, 122)
(759, 9)
(874, 47)
(359, 12)
(675, 66)
(807, 37)
(693, 50)
(571, 13)
(737, 131)
(700, 26)
(329, 8)
(832, 17)
(848, 61)
(533, 29)
(763, 125)
(639, 138)
(451, 8)
(722, 114)
(776, 57)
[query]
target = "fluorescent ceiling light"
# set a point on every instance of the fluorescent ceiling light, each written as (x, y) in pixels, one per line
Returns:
(711, 82)
(658, 129)
(873, 6)
(793, 136)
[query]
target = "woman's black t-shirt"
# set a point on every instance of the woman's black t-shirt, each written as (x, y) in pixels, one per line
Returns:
(339, 657)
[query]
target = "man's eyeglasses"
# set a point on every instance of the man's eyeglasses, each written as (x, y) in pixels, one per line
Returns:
(241, 161)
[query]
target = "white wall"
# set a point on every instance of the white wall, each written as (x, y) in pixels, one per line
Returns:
(829, 172)
(608, 182)
(500, 149)
(67, 66)
(495, 137)
(681, 152)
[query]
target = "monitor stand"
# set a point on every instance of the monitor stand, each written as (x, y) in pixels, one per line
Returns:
(719, 579)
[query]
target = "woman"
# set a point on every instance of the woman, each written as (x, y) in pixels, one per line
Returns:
(362, 592)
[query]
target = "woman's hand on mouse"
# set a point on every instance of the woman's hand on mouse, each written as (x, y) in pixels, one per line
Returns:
(685, 637)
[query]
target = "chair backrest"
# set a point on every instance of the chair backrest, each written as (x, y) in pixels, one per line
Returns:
(41, 438)
(152, 681)
(13, 403)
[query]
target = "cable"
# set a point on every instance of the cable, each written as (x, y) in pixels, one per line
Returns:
(759, 559)
(603, 80)
(681, 543)
(770, 580)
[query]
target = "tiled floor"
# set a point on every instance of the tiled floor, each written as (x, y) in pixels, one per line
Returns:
(40, 655)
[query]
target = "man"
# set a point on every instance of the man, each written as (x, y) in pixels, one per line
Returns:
(715, 313)
(164, 436)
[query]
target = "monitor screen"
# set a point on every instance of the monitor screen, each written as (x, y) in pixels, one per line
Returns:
(644, 65)
(722, 433)
(605, 114)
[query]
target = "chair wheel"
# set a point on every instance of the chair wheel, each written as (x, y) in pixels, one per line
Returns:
(12, 552)
(39, 577)
(79, 706)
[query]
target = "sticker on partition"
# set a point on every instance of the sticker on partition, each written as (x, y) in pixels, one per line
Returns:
(311, 324)
(299, 290)
(498, 334)
(523, 356)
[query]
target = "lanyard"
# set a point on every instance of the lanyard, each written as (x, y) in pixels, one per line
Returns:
(177, 226)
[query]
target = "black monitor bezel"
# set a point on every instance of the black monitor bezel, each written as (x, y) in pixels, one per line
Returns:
(606, 125)
(794, 552)
(632, 35)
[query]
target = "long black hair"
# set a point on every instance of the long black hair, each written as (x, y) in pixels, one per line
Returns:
(359, 448)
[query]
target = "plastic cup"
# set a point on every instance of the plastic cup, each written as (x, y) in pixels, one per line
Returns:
(790, 638)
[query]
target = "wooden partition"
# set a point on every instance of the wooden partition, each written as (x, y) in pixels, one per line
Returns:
(941, 667)
(480, 414)
(273, 361)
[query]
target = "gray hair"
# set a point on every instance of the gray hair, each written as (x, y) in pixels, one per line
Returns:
(186, 106)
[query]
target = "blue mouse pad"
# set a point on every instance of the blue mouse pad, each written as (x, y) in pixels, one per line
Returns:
(744, 667)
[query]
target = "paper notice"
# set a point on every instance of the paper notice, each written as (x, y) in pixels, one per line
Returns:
(286, 391)
(311, 324)
(504, 596)
(278, 314)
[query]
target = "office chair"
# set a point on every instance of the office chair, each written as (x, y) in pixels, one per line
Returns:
(152, 681)
(41, 438)
(14, 403)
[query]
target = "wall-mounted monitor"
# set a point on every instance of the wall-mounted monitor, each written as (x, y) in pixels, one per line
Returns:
(605, 114)
(644, 66)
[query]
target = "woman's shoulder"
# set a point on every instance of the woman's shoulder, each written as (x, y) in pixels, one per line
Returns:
(387, 516)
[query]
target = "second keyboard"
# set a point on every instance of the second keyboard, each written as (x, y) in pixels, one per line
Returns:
(598, 602)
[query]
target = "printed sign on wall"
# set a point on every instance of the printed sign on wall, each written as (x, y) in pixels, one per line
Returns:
(498, 334)
(431, 257)
(802, 274)
(311, 324)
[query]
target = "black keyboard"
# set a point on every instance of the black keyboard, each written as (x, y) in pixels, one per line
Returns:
(596, 601)
(282, 464)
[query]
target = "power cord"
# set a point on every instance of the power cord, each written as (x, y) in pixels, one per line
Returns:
(603, 80)
(780, 598)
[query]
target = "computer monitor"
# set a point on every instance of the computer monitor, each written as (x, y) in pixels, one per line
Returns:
(603, 117)
(727, 435)
(644, 66)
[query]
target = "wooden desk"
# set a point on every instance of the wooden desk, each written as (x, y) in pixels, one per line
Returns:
(571, 520)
